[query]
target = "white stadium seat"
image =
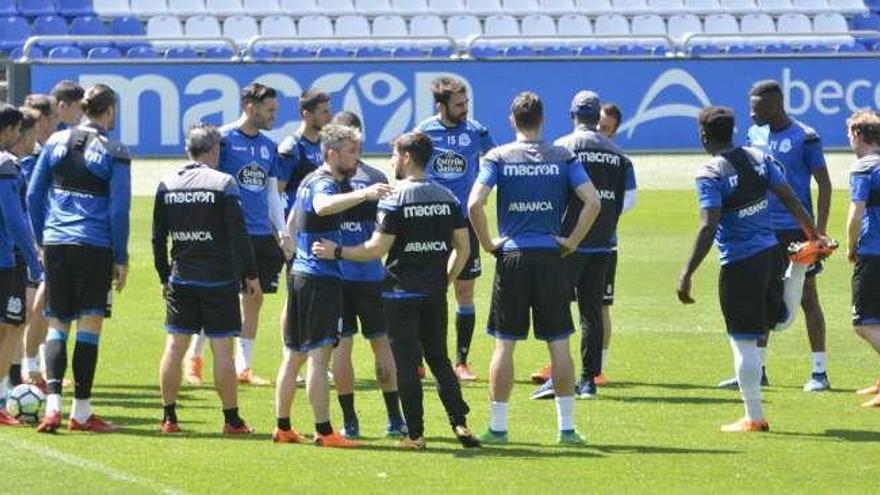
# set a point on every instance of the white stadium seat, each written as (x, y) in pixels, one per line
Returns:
(648, 24)
(738, 6)
(461, 27)
(538, 25)
(665, 7)
(593, 7)
(352, 26)
(775, 6)
(186, 7)
(829, 23)
(446, 7)
(521, 7)
(164, 25)
(481, 7)
(556, 6)
(390, 25)
(611, 24)
(680, 25)
(315, 26)
(409, 7)
(302, 7)
(574, 25)
(756, 24)
(629, 6)
(848, 6)
(426, 25)
(334, 7)
(261, 7)
(203, 26)
(224, 8)
(149, 8)
(111, 8)
(702, 6)
(793, 23)
(278, 25)
(501, 25)
(372, 7)
(810, 6)
(241, 28)
(720, 24)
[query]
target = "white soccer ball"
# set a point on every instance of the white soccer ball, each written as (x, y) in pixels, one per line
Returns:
(25, 403)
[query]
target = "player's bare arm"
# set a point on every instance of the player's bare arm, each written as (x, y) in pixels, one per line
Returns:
(459, 257)
(477, 214)
(326, 204)
(792, 204)
(375, 248)
(854, 229)
(823, 201)
(709, 219)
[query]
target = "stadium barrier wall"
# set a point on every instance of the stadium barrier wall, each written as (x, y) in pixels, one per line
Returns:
(659, 98)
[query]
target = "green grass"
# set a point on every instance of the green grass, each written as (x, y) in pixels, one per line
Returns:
(654, 428)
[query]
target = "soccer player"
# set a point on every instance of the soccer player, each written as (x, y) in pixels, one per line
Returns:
(211, 253)
(591, 268)
(78, 200)
(18, 255)
(535, 180)
(422, 229)
(458, 144)
(798, 148)
(863, 233)
(609, 120)
(362, 301)
(300, 154)
(251, 158)
(314, 303)
(69, 103)
(734, 193)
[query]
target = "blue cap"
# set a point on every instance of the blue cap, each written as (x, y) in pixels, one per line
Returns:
(586, 104)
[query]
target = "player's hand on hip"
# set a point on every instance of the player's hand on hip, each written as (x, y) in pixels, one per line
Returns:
(286, 247)
(120, 275)
(377, 191)
(252, 287)
(495, 245)
(325, 249)
(566, 245)
(851, 254)
(684, 290)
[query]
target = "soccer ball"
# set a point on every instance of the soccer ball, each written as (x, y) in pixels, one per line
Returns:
(25, 403)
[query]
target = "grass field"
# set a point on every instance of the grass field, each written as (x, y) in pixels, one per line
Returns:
(653, 429)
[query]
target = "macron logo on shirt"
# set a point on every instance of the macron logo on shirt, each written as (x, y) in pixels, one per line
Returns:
(189, 197)
(426, 210)
(527, 170)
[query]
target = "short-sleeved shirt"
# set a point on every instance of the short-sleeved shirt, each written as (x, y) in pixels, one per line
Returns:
(535, 180)
(799, 149)
(358, 224)
(864, 182)
(746, 227)
(251, 160)
(311, 227)
(456, 158)
(422, 215)
(297, 158)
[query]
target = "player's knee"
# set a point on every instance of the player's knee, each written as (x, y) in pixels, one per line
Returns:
(464, 292)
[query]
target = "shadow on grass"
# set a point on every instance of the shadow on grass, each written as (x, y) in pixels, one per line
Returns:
(845, 435)
(674, 400)
(671, 386)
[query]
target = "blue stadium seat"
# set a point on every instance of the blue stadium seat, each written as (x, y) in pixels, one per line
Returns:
(7, 7)
(485, 52)
(180, 52)
(593, 51)
(73, 8)
(699, 50)
(869, 22)
(104, 52)
(444, 51)
(812, 48)
(36, 53)
(296, 52)
(142, 52)
(14, 31)
(408, 52)
(220, 52)
(520, 51)
(127, 26)
(634, 51)
(88, 25)
(50, 25)
(372, 52)
(33, 8)
(851, 48)
(263, 53)
(559, 51)
(778, 48)
(333, 52)
(65, 53)
(743, 50)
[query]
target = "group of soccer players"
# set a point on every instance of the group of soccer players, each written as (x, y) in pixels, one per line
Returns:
(243, 210)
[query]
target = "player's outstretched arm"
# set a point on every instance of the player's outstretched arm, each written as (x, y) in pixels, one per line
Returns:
(461, 245)
(709, 219)
(331, 204)
(587, 193)
(477, 213)
(375, 248)
(854, 228)
(793, 205)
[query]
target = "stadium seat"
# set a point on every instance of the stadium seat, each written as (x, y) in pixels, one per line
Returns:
(811, 6)
(164, 25)
(556, 6)
(476, 7)
(778, 48)
(50, 25)
(444, 51)
(372, 7)
(742, 50)
(278, 25)
(775, 6)
(14, 31)
(409, 7)
(259, 53)
(866, 22)
(629, 6)
(389, 25)
(426, 25)
(7, 8)
(757, 24)
(559, 51)
(702, 6)
(665, 7)
(699, 50)
(34, 8)
(315, 26)
(574, 25)
(521, 7)
(611, 24)
(461, 27)
(333, 52)
(111, 8)
(296, 52)
(184, 8)
(352, 26)
(89, 25)
(485, 51)
(681, 24)
(334, 7)
(501, 25)
(104, 52)
(302, 7)
(593, 7)
(851, 48)
(817, 48)
(520, 51)
(181, 52)
(848, 7)
(223, 8)
(408, 52)
(593, 51)
(538, 25)
(203, 26)
(446, 7)
(241, 28)
(648, 24)
(36, 53)
(142, 52)
(738, 6)
(127, 26)
(149, 8)
(372, 52)
(634, 51)
(793, 23)
(261, 7)
(65, 53)
(220, 52)
(73, 8)
(720, 24)
(830, 23)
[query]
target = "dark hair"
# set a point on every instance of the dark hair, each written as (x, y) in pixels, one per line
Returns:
(42, 103)
(68, 91)
(256, 93)
(444, 87)
(10, 116)
(614, 111)
(766, 87)
(866, 125)
(527, 110)
(348, 119)
(417, 144)
(717, 124)
(311, 98)
(201, 139)
(98, 99)
(30, 117)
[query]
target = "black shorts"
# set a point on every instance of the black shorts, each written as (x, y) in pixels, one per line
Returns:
(190, 310)
(362, 301)
(270, 259)
(530, 284)
(78, 281)
(786, 237)
(599, 265)
(866, 290)
(13, 286)
(473, 268)
(314, 312)
(750, 291)
(610, 277)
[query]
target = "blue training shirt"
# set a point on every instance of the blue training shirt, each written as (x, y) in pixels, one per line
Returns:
(534, 182)
(358, 224)
(311, 227)
(15, 228)
(864, 183)
(745, 228)
(455, 161)
(80, 191)
(799, 149)
(297, 158)
(251, 160)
